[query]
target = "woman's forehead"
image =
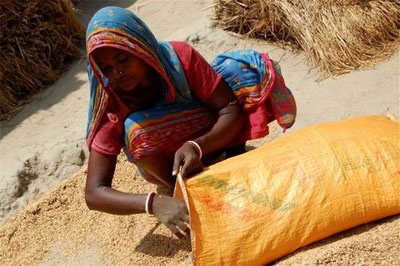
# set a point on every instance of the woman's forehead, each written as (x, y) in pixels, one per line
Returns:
(103, 54)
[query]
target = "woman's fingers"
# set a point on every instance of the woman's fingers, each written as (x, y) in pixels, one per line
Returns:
(183, 227)
(183, 164)
(192, 164)
(187, 163)
(175, 231)
(173, 214)
(186, 217)
(178, 228)
(185, 214)
(175, 226)
(178, 160)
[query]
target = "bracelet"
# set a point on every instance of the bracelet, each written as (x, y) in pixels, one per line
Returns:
(149, 201)
(196, 147)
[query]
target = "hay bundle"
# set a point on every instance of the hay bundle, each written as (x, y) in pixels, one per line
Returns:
(37, 40)
(336, 36)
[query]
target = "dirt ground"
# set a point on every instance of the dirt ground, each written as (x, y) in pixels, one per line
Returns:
(45, 219)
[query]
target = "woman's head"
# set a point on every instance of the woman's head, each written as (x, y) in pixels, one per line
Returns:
(122, 49)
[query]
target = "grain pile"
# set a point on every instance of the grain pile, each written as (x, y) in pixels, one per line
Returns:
(336, 36)
(37, 40)
(58, 229)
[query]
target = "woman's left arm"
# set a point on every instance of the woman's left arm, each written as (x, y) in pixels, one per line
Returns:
(230, 121)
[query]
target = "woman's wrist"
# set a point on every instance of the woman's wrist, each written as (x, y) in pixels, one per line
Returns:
(149, 202)
(197, 147)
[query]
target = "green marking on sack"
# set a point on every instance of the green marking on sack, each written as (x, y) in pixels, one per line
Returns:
(256, 198)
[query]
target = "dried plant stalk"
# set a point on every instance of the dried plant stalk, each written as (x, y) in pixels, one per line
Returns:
(336, 36)
(37, 40)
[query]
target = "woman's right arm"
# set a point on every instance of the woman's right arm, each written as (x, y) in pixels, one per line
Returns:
(101, 196)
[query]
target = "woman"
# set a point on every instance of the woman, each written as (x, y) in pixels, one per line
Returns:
(169, 110)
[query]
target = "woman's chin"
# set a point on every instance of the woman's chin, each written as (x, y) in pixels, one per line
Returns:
(126, 89)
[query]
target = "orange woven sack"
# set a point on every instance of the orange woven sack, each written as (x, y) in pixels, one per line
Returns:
(255, 208)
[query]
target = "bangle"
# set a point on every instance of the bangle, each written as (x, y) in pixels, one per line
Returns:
(196, 147)
(149, 201)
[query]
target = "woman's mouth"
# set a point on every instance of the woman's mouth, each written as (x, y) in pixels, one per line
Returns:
(127, 85)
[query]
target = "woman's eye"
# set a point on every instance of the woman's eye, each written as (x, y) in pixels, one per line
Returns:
(105, 70)
(123, 58)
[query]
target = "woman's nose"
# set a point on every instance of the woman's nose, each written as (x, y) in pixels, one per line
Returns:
(116, 72)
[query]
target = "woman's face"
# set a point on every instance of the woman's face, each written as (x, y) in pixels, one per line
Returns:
(123, 69)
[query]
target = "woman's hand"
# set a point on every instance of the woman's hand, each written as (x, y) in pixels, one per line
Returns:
(172, 213)
(186, 161)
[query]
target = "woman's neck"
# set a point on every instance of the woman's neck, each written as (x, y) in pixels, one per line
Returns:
(143, 96)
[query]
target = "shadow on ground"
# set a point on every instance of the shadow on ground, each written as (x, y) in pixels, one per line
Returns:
(168, 246)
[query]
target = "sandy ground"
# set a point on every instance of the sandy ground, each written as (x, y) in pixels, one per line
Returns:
(44, 144)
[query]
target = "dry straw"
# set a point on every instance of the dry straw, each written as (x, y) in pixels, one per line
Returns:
(336, 36)
(37, 40)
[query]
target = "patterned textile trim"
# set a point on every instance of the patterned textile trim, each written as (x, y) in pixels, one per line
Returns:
(249, 73)
(282, 101)
(251, 95)
(167, 129)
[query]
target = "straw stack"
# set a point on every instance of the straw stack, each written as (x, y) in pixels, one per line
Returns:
(336, 36)
(37, 40)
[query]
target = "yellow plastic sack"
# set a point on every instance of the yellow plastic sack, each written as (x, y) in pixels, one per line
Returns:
(255, 208)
